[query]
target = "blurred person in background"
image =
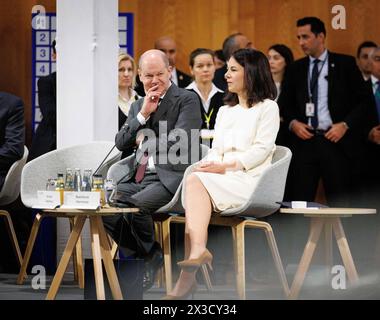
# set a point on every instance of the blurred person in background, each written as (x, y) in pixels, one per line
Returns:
(280, 58)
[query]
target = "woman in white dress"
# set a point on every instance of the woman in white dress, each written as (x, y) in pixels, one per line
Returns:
(244, 143)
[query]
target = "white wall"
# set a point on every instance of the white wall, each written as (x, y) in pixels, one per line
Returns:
(87, 80)
(87, 48)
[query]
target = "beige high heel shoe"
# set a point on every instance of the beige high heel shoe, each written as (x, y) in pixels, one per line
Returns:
(184, 296)
(202, 262)
(204, 258)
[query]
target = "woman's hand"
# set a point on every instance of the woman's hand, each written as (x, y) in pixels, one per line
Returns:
(212, 167)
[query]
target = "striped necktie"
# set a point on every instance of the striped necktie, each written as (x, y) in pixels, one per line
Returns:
(141, 168)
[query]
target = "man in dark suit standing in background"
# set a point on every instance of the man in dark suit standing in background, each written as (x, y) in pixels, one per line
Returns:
(372, 131)
(170, 113)
(12, 132)
(321, 99)
(362, 58)
(232, 43)
(45, 137)
(168, 46)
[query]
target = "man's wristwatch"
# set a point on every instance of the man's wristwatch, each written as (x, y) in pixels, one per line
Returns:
(345, 125)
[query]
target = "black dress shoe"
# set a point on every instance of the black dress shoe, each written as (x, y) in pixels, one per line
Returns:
(153, 262)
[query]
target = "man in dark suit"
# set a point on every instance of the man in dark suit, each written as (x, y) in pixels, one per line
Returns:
(170, 117)
(321, 101)
(44, 139)
(12, 132)
(362, 58)
(232, 43)
(168, 46)
(372, 130)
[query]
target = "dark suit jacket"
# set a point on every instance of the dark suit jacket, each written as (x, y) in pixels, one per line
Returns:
(122, 116)
(219, 79)
(345, 95)
(371, 121)
(12, 132)
(215, 103)
(44, 139)
(179, 111)
(183, 81)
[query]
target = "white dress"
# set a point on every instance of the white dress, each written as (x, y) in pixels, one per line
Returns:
(246, 135)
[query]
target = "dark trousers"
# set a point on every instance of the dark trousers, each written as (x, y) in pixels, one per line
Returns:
(136, 231)
(319, 158)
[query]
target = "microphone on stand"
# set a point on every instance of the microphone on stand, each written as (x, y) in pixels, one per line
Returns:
(104, 160)
(125, 125)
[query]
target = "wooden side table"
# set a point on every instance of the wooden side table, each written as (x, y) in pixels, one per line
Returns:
(328, 219)
(100, 246)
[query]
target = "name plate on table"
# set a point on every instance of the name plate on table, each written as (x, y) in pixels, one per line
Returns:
(81, 200)
(47, 200)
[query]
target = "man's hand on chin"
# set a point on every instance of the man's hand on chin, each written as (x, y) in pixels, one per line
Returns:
(150, 102)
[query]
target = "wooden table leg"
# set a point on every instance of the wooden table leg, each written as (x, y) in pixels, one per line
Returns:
(108, 261)
(97, 259)
(315, 232)
(29, 247)
(328, 246)
(79, 263)
(74, 257)
(345, 250)
(74, 236)
(113, 245)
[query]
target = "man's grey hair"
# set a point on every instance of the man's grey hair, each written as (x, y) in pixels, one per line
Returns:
(373, 52)
(153, 52)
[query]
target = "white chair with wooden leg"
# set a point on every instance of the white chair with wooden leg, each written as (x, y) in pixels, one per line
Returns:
(263, 202)
(8, 194)
(37, 172)
(119, 171)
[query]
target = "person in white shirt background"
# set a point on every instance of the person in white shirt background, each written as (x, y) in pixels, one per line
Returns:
(127, 82)
(202, 68)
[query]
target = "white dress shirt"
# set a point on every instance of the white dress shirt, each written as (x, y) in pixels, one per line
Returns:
(374, 81)
(213, 92)
(324, 117)
(174, 77)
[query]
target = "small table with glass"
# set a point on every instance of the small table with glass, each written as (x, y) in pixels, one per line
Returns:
(329, 220)
(101, 248)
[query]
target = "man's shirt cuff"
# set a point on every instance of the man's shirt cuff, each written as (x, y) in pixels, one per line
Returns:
(141, 119)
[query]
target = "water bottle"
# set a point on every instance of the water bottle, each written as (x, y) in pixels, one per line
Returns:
(51, 184)
(86, 181)
(60, 186)
(69, 182)
(110, 189)
(77, 179)
(98, 186)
